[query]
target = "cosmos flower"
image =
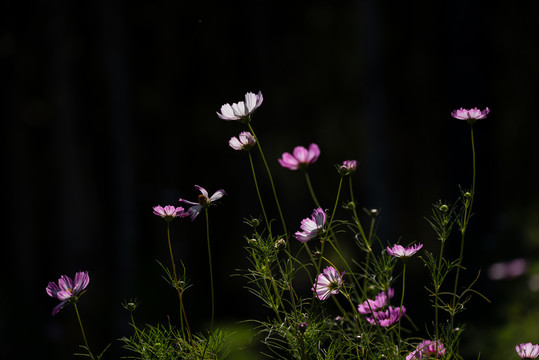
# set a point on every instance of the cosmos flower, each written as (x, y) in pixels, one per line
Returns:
(242, 110)
(527, 351)
(381, 300)
(203, 201)
(67, 290)
(427, 349)
(311, 226)
(388, 317)
(300, 158)
(470, 115)
(327, 283)
(169, 212)
(244, 141)
(348, 167)
(402, 252)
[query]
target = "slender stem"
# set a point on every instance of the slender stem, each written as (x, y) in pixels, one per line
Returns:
(211, 269)
(270, 179)
(330, 222)
(268, 225)
(308, 179)
(180, 296)
(465, 220)
(356, 218)
(402, 295)
(437, 289)
(82, 331)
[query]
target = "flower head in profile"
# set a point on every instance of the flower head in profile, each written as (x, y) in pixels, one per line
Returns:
(327, 283)
(244, 141)
(427, 350)
(204, 201)
(311, 226)
(67, 290)
(381, 300)
(388, 317)
(169, 212)
(348, 167)
(300, 157)
(470, 115)
(527, 351)
(402, 252)
(242, 110)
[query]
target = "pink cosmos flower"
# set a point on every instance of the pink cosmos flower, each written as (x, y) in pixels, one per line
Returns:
(169, 212)
(328, 283)
(311, 227)
(388, 317)
(402, 252)
(203, 201)
(242, 110)
(67, 290)
(470, 115)
(427, 349)
(527, 351)
(244, 141)
(301, 157)
(348, 167)
(381, 300)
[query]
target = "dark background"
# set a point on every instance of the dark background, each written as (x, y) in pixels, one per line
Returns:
(109, 109)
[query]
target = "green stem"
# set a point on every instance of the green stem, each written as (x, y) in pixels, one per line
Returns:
(323, 241)
(258, 193)
(308, 179)
(402, 295)
(270, 179)
(180, 296)
(211, 269)
(437, 286)
(82, 331)
(465, 220)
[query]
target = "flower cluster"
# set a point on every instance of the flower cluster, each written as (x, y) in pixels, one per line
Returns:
(327, 283)
(388, 317)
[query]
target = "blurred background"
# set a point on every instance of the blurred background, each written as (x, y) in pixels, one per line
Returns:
(109, 108)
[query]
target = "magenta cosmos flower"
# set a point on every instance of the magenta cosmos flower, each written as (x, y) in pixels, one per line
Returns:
(300, 157)
(388, 317)
(242, 110)
(244, 141)
(527, 351)
(402, 252)
(381, 300)
(67, 290)
(470, 115)
(348, 167)
(203, 201)
(327, 283)
(311, 226)
(427, 350)
(169, 212)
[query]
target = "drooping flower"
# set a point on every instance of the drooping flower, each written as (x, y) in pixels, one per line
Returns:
(242, 110)
(169, 212)
(527, 350)
(388, 317)
(203, 201)
(470, 115)
(427, 349)
(67, 290)
(381, 300)
(300, 158)
(327, 283)
(244, 141)
(348, 167)
(402, 252)
(311, 226)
